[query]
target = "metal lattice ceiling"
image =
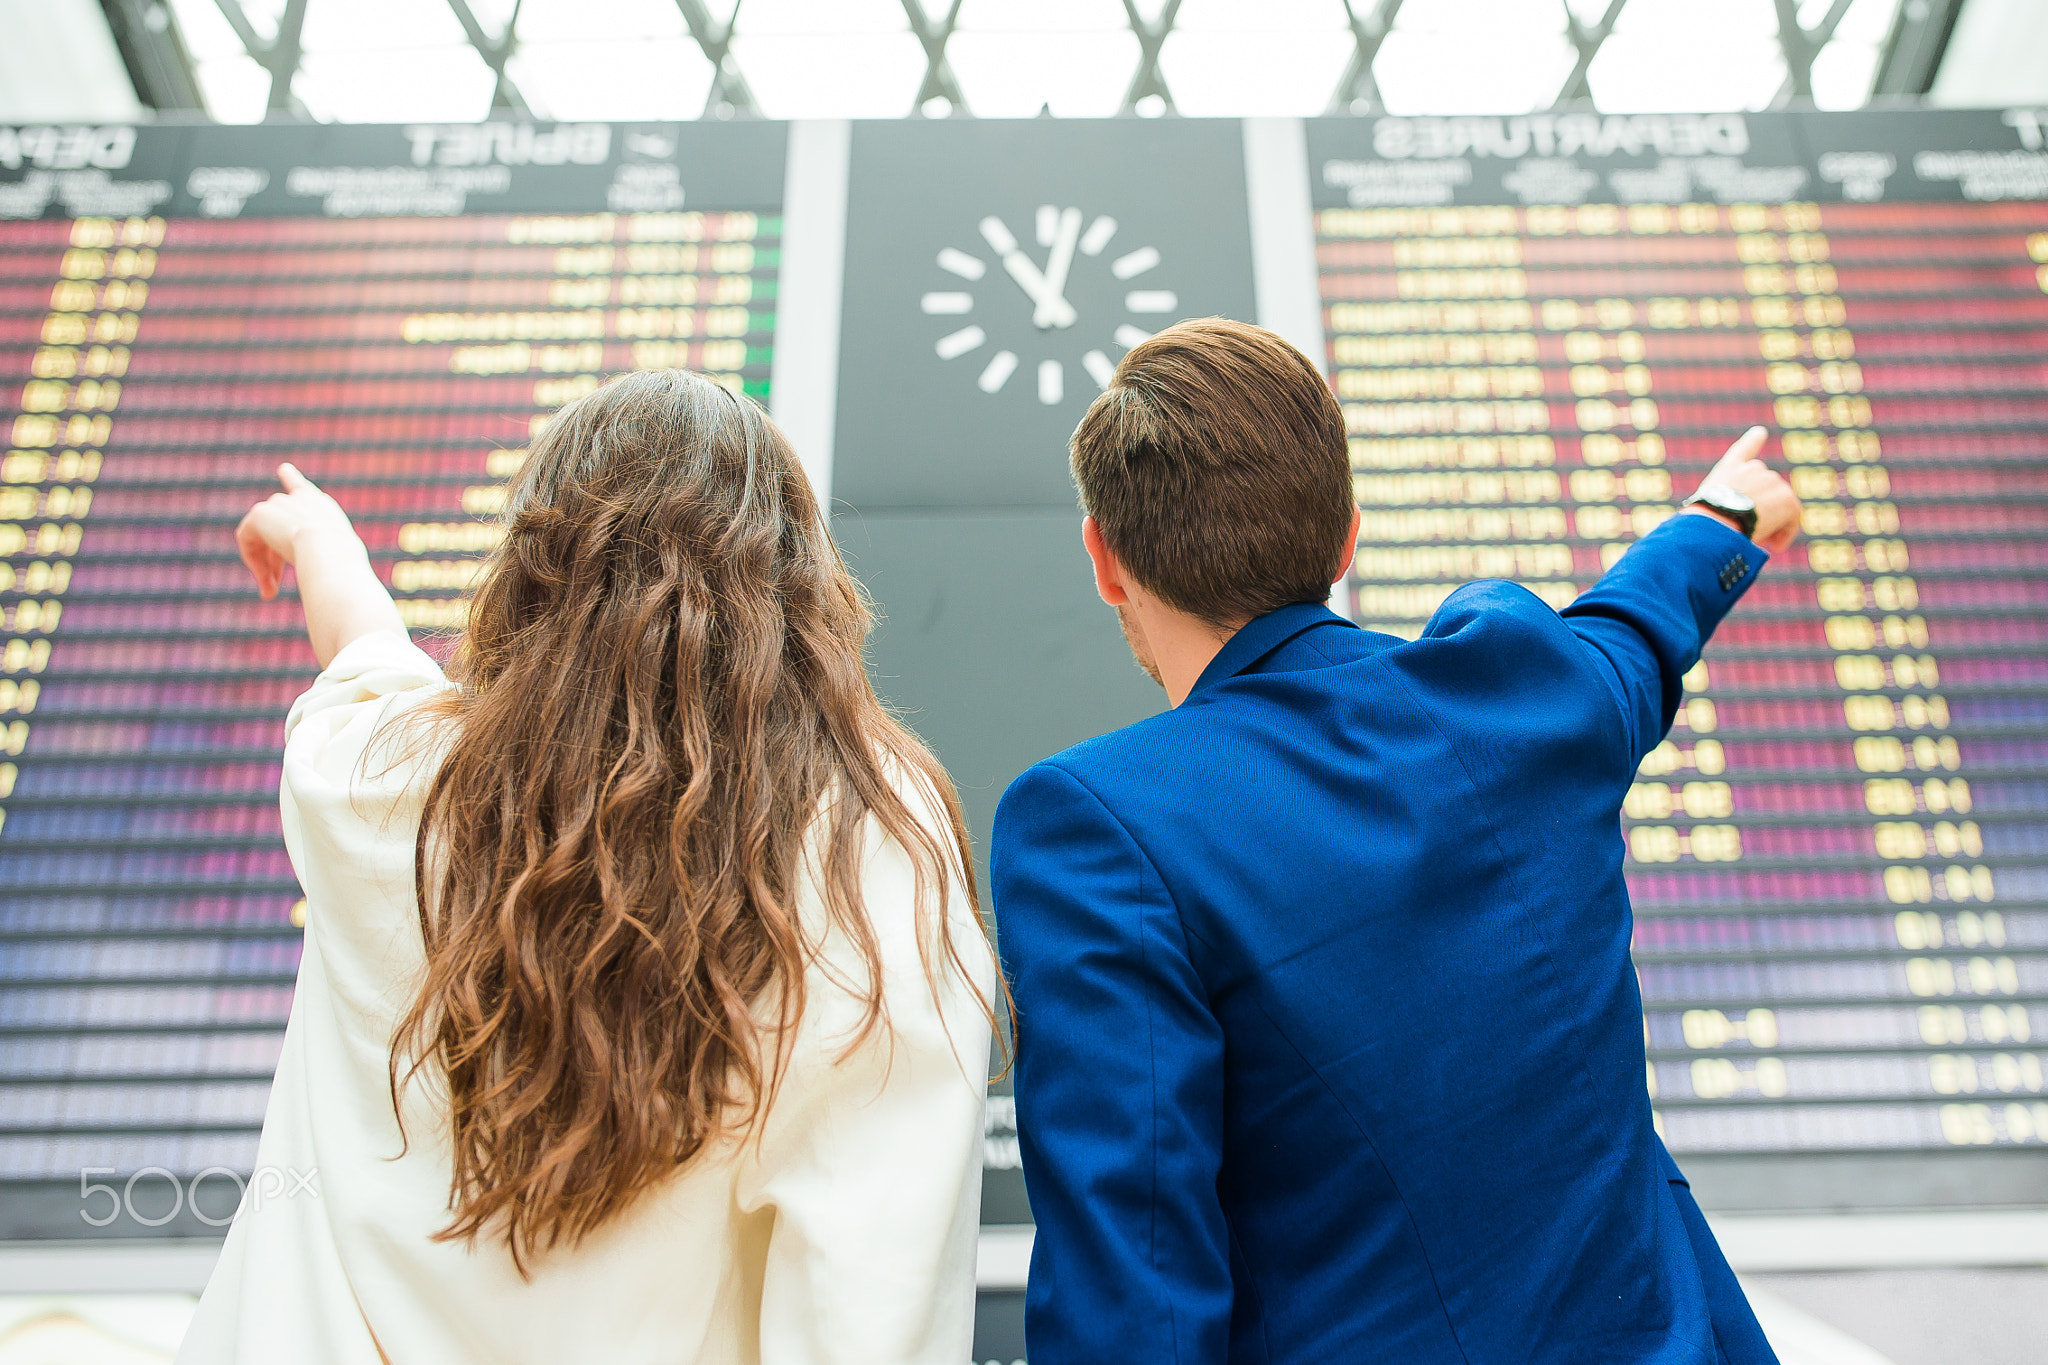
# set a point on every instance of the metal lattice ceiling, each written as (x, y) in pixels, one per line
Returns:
(402, 60)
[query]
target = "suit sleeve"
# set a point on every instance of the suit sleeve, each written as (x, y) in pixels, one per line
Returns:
(1649, 617)
(1119, 1086)
(1736, 1330)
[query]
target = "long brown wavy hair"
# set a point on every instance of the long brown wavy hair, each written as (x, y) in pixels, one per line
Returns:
(663, 733)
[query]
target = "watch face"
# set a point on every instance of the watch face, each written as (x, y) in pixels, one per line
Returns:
(1015, 313)
(996, 272)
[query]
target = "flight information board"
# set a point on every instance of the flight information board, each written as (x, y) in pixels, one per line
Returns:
(1543, 332)
(394, 310)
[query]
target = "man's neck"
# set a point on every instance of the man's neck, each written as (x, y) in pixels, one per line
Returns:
(1181, 646)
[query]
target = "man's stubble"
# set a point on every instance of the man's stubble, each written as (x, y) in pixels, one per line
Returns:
(1134, 636)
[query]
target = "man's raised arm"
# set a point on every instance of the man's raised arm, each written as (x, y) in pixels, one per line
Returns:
(1653, 612)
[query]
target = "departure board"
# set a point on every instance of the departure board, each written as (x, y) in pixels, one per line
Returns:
(398, 318)
(1543, 331)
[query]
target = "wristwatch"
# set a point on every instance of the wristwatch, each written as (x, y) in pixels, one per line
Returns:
(1737, 506)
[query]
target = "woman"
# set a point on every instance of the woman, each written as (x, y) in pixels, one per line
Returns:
(644, 1014)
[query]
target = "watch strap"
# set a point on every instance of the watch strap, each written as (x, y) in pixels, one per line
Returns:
(1717, 497)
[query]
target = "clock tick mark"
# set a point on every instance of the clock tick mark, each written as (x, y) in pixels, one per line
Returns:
(1098, 235)
(959, 343)
(1001, 366)
(1048, 224)
(1150, 301)
(1051, 382)
(960, 263)
(1136, 263)
(997, 236)
(1128, 336)
(949, 303)
(1099, 367)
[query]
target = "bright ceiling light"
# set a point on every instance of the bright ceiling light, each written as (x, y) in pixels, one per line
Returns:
(395, 60)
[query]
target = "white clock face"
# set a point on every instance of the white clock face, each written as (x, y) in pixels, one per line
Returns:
(1023, 307)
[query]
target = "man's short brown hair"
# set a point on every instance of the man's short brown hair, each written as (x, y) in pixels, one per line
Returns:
(1216, 468)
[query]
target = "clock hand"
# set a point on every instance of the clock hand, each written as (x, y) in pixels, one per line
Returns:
(1053, 308)
(1016, 262)
(1026, 275)
(1019, 265)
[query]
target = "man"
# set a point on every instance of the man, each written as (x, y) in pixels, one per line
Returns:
(1329, 1045)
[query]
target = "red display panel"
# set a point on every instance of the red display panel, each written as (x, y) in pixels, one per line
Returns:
(158, 370)
(1839, 859)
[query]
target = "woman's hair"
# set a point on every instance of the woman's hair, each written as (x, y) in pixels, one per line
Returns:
(663, 718)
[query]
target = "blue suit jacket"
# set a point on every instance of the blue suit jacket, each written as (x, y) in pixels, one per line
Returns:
(1329, 1046)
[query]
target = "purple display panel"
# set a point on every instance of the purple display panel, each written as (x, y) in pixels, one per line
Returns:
(1839, 859)
(157, 372)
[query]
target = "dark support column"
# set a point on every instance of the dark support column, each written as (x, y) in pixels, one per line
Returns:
(153, 50)
(1914, 48)
(282, 58)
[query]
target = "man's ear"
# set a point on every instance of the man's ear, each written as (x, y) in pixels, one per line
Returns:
(1109, 575)
(1349, 552)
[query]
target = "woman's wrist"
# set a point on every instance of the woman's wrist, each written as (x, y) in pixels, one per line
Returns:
(317, 539)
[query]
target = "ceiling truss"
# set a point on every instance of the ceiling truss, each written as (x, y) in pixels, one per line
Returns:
(1358, 92)
(1801, 45)
(279, 54)
(162, 73)
(505, 96)
(730, 95)
(939, 83)
(1586, 40)
(1147, 92)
